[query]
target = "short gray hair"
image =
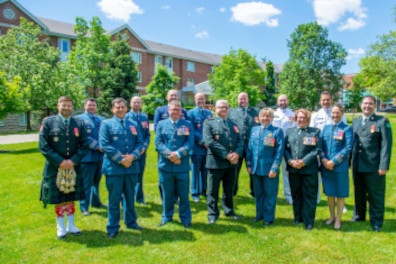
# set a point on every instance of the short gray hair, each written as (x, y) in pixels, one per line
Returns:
(176, 103)
(117, 101)
(267, 110)
(221, 101)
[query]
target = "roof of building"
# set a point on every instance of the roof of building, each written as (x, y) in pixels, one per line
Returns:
(58, 27)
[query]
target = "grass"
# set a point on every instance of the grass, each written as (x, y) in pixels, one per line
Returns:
(28, 232)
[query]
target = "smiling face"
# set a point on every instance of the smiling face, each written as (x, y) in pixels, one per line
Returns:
(336, 114)
(283, 101)
(172, 96)
(221, 110)
(90, 107)
(119, 110)
(65, 108)
(136, 104)
(367, 106)
(243, 100)
(302, 120)
(200, 100)
(326, 100)
(265, 118)
(174, 112)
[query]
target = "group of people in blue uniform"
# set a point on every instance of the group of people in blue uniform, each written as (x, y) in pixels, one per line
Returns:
(307, 148)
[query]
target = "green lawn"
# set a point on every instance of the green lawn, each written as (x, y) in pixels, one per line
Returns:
(28, 232)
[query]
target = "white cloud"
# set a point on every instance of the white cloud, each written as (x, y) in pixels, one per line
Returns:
(222, 10)
(354, 54)
(255, 13)
(332, 11)
(202, 35)
(199, 10)
(165, 7)
(119, 9)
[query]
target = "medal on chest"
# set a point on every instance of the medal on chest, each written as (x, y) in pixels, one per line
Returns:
(198, 124)
(309, 141)
(56, 139)
(133, 130)
(236, 129)
(372, 129)
(217, 137)
(145, 124)
(256, 119)
(269, 141)
(183, 131)
(339, 134)
(76, 132)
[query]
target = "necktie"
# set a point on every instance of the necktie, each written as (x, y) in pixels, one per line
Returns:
(364, 121)
(122, 123)
(137, 117)
(67, 124)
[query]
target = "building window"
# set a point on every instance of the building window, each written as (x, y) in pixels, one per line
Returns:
(169, 63)
(139, 76)
(137, 57)
(1, 123)
(190, 82)
(158, 60)
(0, 31)
(64, 46)
(190, 66)
(22, 119)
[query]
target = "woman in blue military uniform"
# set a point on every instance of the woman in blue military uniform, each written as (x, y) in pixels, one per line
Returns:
(337, 146)
(263, 157)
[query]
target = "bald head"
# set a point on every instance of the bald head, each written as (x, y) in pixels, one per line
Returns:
(136, 104)
(283, 101)
(199, 99)
(172, 95)
(243, 100)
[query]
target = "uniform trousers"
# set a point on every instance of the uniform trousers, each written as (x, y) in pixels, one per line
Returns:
(266, 191)
(286, 183)
(91, 173)
(304, 190)
(139, 185)
(121, 186)
(169, 181)
(215, 176)
(237, 176)
(370, 187)
(199, 175)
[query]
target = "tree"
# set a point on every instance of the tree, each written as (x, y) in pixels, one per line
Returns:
(23, 55)
(355, 94)
(157, 89)
(120, 75)
(313, 66)
(378, 67)
(11, 97)
(238, 72)
(90, 54)
(269, 87)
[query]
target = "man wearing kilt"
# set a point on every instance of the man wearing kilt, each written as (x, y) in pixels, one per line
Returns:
(63, 142)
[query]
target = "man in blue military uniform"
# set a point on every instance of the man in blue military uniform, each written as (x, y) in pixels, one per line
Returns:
(162, 113)
(143, 130)
(225, 146)
(197, 117)
(246, 118)
(63, 142)
(174, 142)
(91, 164)
(371, 153)
(122, 146)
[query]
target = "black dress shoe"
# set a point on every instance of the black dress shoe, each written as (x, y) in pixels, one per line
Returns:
(112, 235)
(187, 225)
(79, 233)
(308, 227)
(101, 206)
(268, 223)
(376, 228)
(255, 220)
(136, 227)
(235, 217)
(86, 213)
(212, 221)
(296, 222)
(61, 237)
(162, 224)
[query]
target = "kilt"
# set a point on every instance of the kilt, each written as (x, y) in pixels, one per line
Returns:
(50, 193)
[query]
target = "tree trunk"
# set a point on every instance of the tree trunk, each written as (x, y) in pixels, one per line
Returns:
(28, 127)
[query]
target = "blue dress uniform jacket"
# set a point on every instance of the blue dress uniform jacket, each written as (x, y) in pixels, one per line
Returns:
(92, 127)
(57, 143)
(169, 139)
(144, 131)
(337, 146)
(115, 140)
(161, 113)
(265, 151)
(197, 117)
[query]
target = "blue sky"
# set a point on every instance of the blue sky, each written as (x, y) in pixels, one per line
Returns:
(260, 27)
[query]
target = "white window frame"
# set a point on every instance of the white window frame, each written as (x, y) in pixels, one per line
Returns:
(139, 76)
(137, 56)
(169, 63)
(61, 47)
(190, 66)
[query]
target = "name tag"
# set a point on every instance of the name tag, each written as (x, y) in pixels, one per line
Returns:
(309, 141)
(338, 135)
(268, 141)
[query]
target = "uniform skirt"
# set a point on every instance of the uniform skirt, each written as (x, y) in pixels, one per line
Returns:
(335, 184)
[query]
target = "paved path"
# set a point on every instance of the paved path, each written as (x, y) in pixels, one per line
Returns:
(18, 138)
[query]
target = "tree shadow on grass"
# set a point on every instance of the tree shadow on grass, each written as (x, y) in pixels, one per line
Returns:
(20, 152)
(99, 239)
(219, 228)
